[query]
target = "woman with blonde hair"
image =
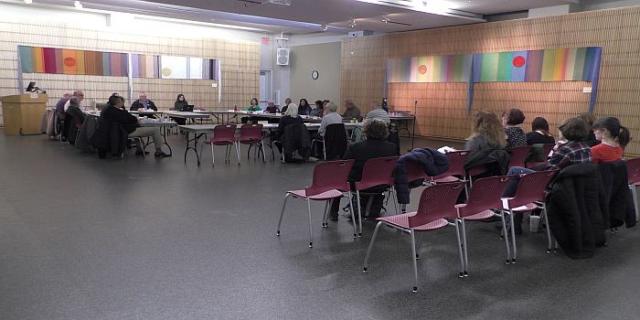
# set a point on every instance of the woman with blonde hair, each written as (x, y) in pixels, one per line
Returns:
(488, 133)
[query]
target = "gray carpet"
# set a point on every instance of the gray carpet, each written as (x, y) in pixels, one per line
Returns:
(83, 238)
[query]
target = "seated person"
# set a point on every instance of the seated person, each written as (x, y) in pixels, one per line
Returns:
(331, 117)
(180, 105)
(487, 133)
(374, 147)
(253, 106)
(613, 139)
(303, 107)
(290, 117)
(512, 121)
(143, 104)
(271, 108)
(115, 113)
(78, 94)
(377, 113)
(589, 118)
(74, 117)
(287, 102)
(352, 111)
(318, 111)
(539, 132)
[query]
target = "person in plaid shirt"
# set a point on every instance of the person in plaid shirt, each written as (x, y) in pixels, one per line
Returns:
(574, 150)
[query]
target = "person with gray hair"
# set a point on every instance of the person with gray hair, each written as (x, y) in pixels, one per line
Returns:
(378, 113)
(78, 94)
(73, 119)
(331, 117)
(352, 111)
(290, 117)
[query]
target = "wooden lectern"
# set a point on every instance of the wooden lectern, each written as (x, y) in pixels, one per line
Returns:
(23, 113)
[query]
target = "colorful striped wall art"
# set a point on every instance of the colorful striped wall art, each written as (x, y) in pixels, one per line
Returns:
(449, 68)
(145, 66)
(71, 61)
(562, 64)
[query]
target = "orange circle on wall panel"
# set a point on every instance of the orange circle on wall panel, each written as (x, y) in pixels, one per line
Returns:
(422, 69)
(69, 62)
(518, 61)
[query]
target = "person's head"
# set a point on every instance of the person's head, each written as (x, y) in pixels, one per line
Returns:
(74, 101)
(349, 104)
(540, 124)
(488, 125)
(180, 98)
(254, 102)
(79, 94)
(287, 101)
(330, 107)
(325, 101)
(292, 110)
(142, 97)
(588, 117)
(66, 96)
(319, 104)
(376, 130)
(116, 101)
(303, 103)
(610, 128)
(270, 104)
(574, 129)
(513, 117)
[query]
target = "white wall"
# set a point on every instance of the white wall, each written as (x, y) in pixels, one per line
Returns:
(324, 58)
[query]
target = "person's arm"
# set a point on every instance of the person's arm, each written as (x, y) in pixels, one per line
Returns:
(559, 157)
(177, 106)
(152, 106)
(323, 126)
(135, 105)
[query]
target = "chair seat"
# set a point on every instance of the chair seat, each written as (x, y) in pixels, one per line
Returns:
(481, 216)
(526, 207)
(220, 143)
(249, 141)
(327, 195)
(447, 179)
(402, 221)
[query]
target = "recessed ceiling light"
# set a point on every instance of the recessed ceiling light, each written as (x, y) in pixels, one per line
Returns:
(28, 1)
(77, 4)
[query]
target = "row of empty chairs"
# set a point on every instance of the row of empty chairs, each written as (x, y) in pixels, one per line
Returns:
(225, 135)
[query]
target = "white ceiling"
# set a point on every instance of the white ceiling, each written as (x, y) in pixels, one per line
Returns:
(304, 16)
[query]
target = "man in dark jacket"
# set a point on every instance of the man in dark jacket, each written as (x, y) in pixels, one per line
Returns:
(115, 114)
(143, 104)
(375, 146)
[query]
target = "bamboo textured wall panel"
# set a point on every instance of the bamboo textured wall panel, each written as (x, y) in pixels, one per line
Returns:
(240, 65)
(442, 107)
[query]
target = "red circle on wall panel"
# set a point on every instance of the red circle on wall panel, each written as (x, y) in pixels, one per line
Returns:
(518, 61)
(69, 62)
(422, 69)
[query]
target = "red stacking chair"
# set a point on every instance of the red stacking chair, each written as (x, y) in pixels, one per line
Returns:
(224, 135)
(329, 183)
(546, 149)
(633, 174)
(376, 172)
(436, 210)
(484, 196)
(251, 134)
(456, 168)
(529, 196)
(518, 156)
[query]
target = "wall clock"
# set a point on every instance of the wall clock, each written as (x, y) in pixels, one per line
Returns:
(315, 74)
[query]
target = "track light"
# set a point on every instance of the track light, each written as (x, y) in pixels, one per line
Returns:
(77, 4)
(28, 1)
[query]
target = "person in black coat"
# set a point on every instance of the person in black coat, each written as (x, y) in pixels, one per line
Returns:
(115, 114)
(375, 146)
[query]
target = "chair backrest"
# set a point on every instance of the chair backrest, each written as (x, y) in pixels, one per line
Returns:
(531, 188)
(377, 172)
(456, 164)
(330, 175)
(335, 139)
(224, 133)
(437, 201)
(250, 132)
(633, 170)
(518, 156)
(414, 171)
(485, 194)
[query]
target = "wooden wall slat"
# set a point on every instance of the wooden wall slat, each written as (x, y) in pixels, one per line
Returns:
(442, 107)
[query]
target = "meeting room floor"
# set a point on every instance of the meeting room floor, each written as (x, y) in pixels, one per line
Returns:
(83, 238)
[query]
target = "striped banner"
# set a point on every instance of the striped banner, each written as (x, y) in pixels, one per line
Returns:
(450, 68)
(71, 61)
(145, 66)
(563, 64)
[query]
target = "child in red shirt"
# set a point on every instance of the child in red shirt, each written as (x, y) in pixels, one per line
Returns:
(613, 137)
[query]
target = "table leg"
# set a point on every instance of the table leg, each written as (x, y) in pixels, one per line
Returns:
(164, 130)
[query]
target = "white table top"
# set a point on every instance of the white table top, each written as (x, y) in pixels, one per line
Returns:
(267, 126)
(187, 114)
